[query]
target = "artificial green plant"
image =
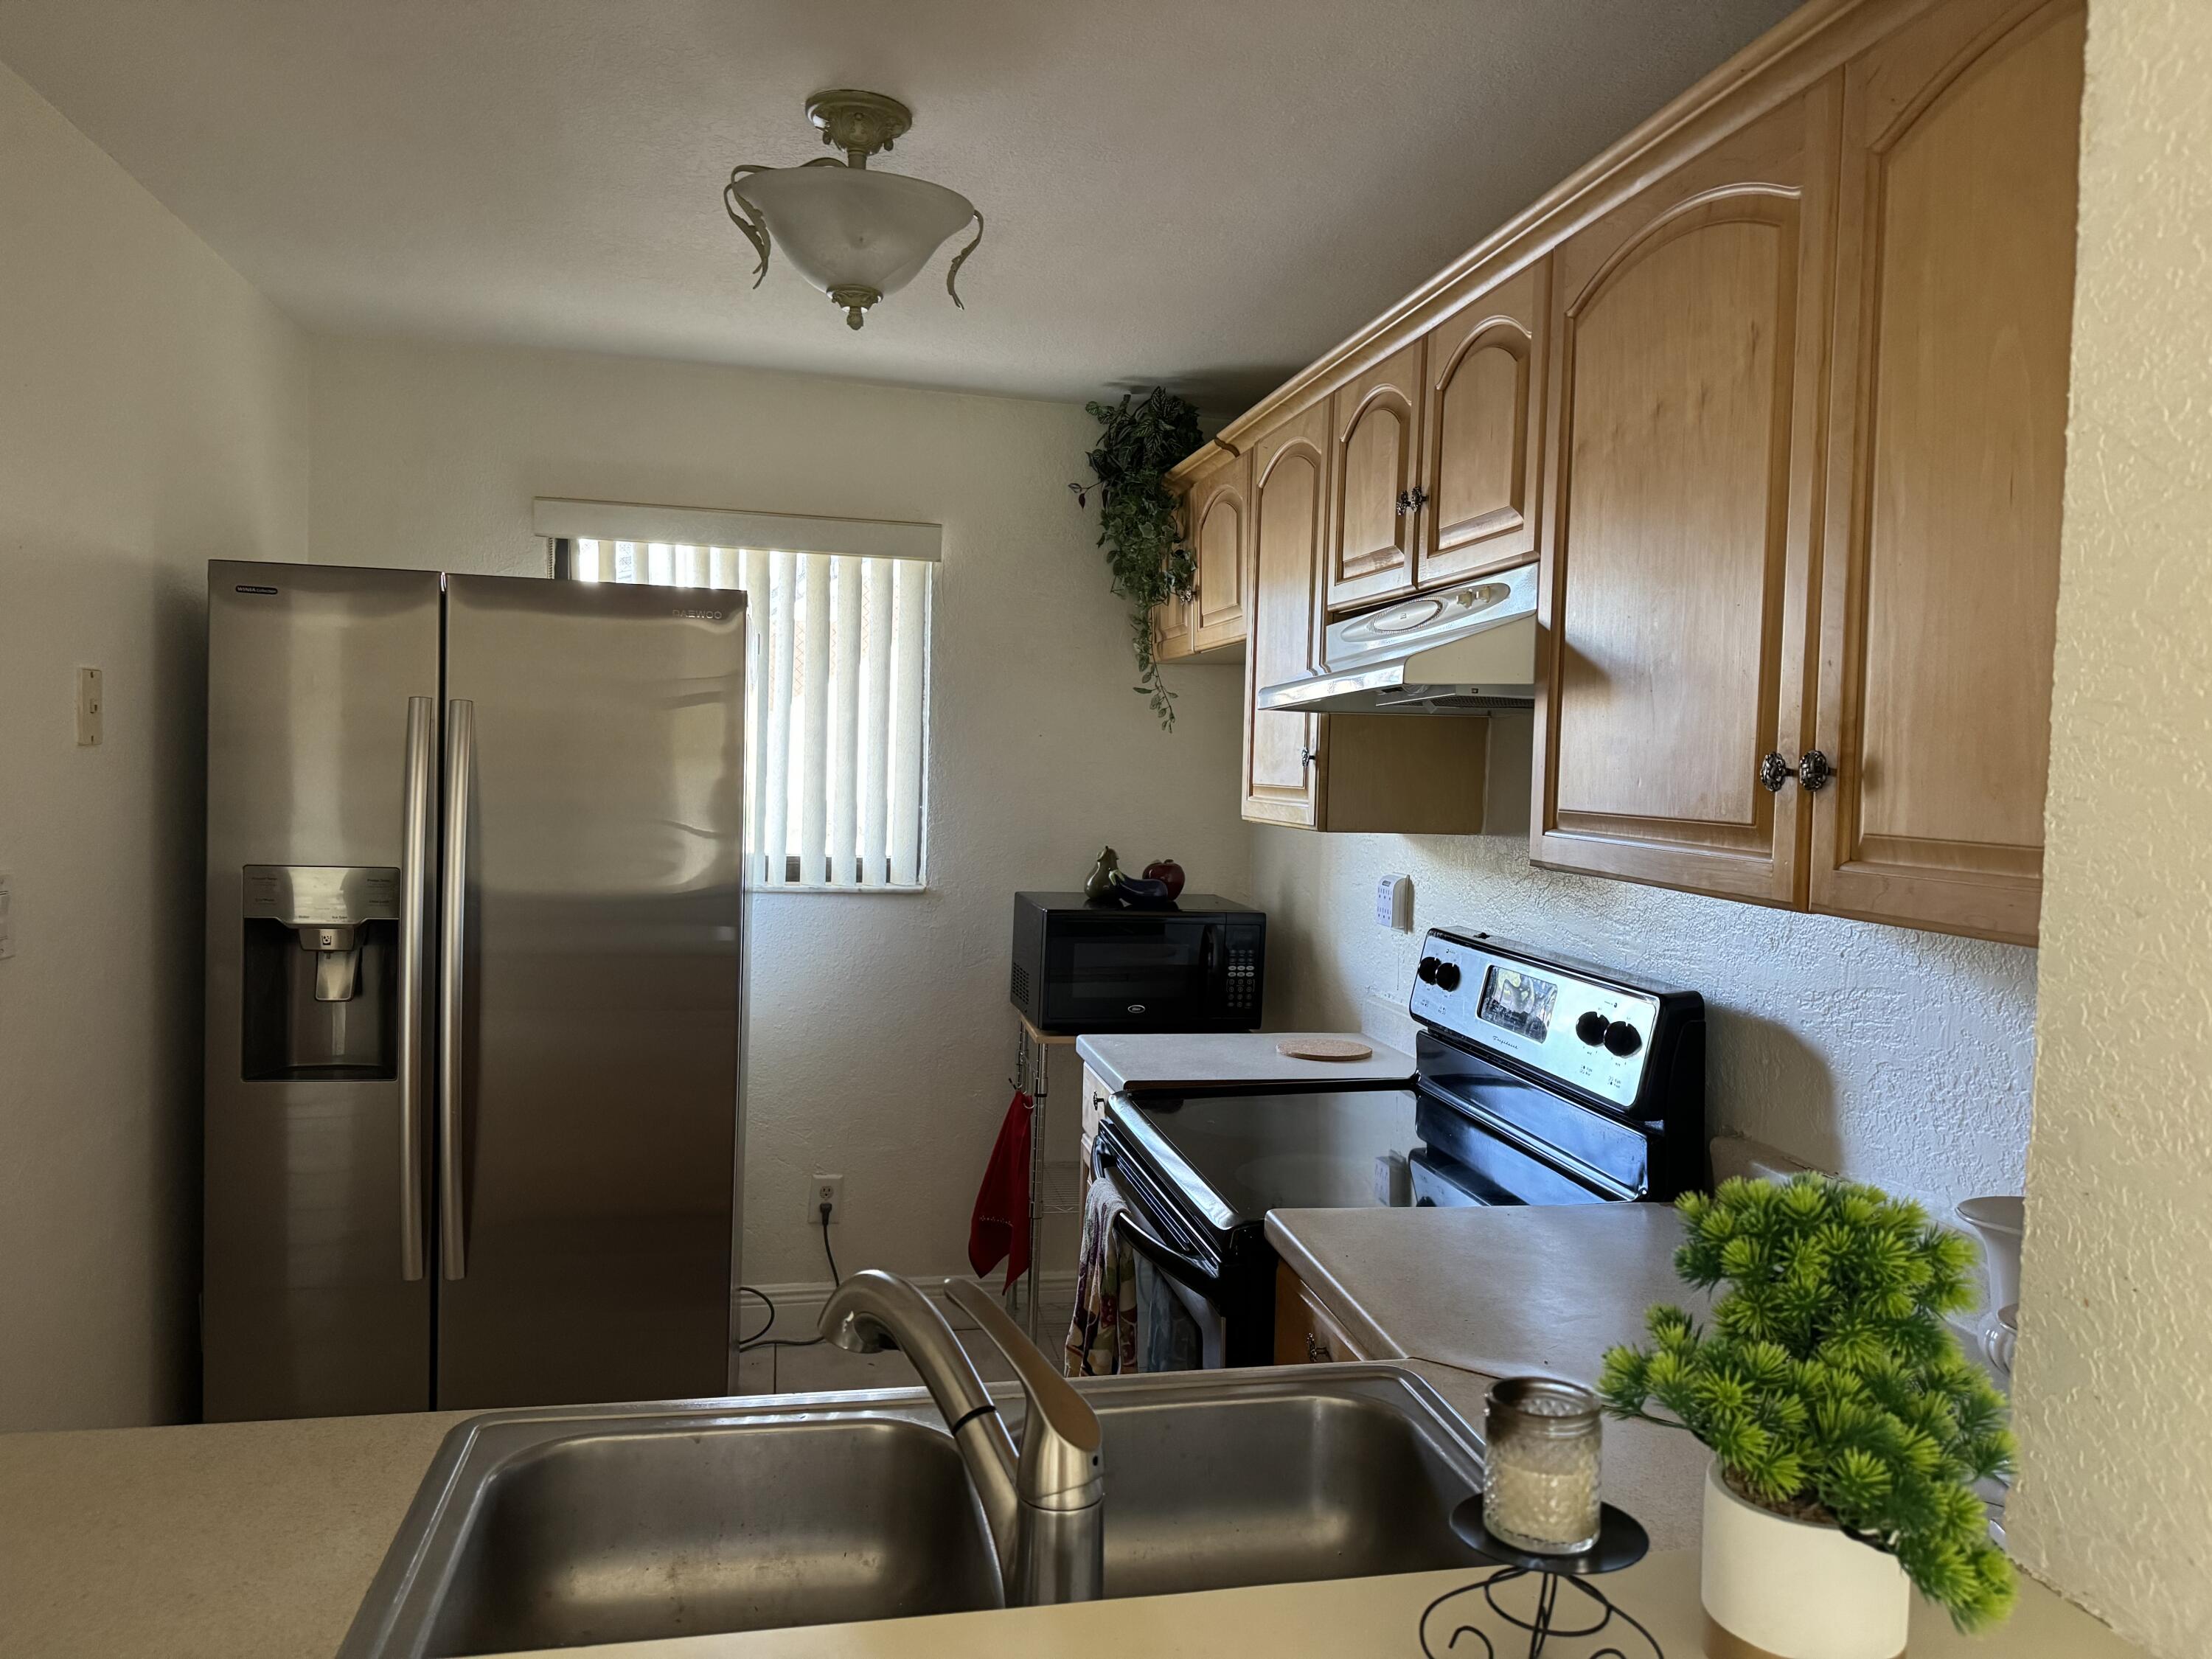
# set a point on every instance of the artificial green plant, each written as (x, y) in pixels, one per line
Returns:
(1829, 1387)
(1138, 524)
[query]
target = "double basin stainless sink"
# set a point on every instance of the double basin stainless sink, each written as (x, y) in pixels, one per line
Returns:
(561, 1527)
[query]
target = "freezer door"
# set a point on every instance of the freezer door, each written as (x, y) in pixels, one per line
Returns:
(314, 1183)
(589, 1118)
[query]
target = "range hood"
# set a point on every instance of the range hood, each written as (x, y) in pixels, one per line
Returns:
(1459, 650)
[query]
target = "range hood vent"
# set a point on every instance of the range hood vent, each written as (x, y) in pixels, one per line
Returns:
(1463, 650)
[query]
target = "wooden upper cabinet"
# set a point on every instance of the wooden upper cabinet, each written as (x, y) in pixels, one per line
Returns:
(1947, 454)
(1220, 516)
(1483, 403)
(1284, 754)
(1691, 331)
(1374, 460)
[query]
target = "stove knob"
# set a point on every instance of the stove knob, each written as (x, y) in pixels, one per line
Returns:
(1591, 1027)
(1621, 1038)
(1428, 969)
(1447, 976)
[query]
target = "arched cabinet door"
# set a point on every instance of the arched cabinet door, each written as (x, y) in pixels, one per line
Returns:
(1374, 460)
(1947, 457)
(1483, 466)
(1688, 374)
(1285, 755)
(1219, 513)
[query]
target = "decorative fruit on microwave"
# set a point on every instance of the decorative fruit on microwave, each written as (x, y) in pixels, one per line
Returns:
(1169, 871)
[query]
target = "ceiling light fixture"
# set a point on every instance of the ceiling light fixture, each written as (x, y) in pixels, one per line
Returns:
(856, 235)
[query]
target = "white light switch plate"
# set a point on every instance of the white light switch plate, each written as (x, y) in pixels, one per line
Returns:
(1394, 903)
(91, 708)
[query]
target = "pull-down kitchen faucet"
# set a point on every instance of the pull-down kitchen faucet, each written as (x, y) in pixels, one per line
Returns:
(1046, 1508)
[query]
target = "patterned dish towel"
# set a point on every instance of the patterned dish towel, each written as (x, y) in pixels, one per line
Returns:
(1102, 1338)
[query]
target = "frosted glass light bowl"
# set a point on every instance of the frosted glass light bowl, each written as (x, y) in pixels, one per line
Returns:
(848, 227)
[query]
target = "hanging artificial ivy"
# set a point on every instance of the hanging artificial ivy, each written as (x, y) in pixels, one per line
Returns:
(1137, 523)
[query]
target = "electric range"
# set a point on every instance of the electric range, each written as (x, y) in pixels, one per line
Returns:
(1540, 1080)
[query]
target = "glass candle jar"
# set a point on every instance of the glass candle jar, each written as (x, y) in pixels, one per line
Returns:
(1539, 1474)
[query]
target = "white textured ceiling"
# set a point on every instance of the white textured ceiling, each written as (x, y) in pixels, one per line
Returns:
(1210, 192)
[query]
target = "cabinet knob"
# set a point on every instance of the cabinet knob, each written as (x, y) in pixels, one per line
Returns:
(1813, 772)
(1306, 757)
(1412, 500)
(1773, 773)
(1318, 1354)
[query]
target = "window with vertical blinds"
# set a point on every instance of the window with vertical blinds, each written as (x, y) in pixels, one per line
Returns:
(837, 701)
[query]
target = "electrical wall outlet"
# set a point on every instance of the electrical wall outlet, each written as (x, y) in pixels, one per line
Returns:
(91, 708)
(1394, 903)
(826, 1189)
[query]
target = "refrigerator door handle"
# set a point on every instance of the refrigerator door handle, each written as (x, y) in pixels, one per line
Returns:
(421, 782)
(452, 936)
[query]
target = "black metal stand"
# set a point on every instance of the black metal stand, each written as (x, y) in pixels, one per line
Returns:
(1621, 1542)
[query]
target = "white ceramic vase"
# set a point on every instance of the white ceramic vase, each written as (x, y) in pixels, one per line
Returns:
(1778, 1589)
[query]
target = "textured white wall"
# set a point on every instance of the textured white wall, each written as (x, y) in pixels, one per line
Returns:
(881, 1037)
(2114, 1397)
(153, 417)
(1898, 1057)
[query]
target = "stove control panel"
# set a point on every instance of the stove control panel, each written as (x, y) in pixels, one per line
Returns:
(1589, 1034)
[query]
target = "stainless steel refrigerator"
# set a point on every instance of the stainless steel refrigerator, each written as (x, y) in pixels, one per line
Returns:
(475, 996)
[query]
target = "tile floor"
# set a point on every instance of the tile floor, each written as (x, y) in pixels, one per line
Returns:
(824, 1367)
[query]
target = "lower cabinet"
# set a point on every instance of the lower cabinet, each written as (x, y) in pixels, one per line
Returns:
(1306, 1333)
(1096, 1095)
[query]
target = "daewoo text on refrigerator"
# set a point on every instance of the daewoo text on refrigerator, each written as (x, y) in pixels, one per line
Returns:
(475, 997)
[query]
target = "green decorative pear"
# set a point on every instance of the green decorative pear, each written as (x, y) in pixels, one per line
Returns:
(1829, 1387)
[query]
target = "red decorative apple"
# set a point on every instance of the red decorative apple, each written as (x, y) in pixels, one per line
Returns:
(1169, 871)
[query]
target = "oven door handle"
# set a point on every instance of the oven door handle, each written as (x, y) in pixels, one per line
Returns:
(1184, 1268)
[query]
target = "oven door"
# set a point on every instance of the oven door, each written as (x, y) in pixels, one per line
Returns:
(1130, 971)
(1155, 1232)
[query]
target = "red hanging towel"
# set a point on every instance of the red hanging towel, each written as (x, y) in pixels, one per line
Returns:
(1001, 1223)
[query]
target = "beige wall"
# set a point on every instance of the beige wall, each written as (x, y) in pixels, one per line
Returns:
(882, 1037)
(153, 416)
(2115, 1375)
(1893, 1057)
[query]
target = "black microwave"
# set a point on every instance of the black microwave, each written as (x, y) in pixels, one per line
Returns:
(1081, 967)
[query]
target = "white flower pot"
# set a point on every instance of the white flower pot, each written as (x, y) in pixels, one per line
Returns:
(1778, 1589)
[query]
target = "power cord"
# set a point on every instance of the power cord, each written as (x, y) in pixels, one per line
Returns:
(761, 1338)
(768, 1302)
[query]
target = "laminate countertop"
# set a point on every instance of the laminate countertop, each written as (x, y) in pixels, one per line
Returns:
(1505, 1292)
(1190, 1060)
(257, 1540)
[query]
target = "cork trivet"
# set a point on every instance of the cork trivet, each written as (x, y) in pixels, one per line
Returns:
(1322, 1049)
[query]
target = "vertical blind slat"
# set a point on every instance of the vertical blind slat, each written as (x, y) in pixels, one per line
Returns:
(845, 722)
(836, 698)
(872, 769)
(776, 834)
(814, 734)
(910, 638)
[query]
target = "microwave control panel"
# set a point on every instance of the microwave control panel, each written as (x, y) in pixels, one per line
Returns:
(1242, 964)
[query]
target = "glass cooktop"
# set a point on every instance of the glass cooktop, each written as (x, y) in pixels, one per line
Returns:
(1234, 1157)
